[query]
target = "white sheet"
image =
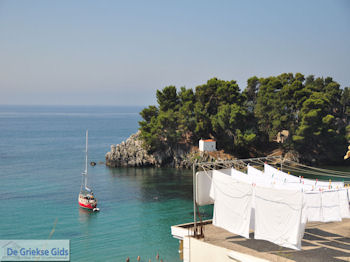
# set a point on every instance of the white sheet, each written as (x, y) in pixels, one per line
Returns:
(203, 183)
(313, 210)
(330, 206)
(240, 176)
(258, 177)
(325, 184)
(344, 203)
(278, 216)
(232, 204)
(279, 175)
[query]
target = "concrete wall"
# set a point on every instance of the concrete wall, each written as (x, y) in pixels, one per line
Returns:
(203, 252)
(200, 251)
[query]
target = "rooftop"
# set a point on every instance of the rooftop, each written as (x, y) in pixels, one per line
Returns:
(321, 242)
(208, 140)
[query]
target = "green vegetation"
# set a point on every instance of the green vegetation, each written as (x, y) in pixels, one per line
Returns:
(315, 111)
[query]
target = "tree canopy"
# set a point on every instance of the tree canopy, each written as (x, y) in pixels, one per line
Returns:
(315, 111)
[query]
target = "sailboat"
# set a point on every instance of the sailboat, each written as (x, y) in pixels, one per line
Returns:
(87, 199)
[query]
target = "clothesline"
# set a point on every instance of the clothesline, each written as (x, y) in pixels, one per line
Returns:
(292, 168)
(299, 170)
(319, 169)
(286, 165)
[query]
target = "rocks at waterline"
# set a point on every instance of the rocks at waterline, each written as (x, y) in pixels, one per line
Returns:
(130, 153)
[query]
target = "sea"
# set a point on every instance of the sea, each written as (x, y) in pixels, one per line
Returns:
(42, 156)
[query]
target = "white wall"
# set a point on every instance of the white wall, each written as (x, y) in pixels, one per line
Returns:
(200, 251)
(207, 145)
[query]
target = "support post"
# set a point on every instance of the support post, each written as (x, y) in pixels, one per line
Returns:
(194, 201)
(281, 163)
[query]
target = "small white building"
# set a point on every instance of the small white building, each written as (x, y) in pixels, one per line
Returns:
(207, 145)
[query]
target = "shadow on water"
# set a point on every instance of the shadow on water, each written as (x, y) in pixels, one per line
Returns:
(86, 216)
(158, 184)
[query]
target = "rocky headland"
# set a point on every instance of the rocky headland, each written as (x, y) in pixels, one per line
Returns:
(130, 153)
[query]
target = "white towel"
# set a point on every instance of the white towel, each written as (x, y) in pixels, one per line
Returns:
(278, 216)
(232, 204)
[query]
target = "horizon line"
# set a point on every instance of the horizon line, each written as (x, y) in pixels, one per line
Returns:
(74, 105)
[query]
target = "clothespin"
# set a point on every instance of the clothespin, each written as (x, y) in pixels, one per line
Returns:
(316, 181)
(330, 182)
(288, 173)
(278, 169)
(313, 187)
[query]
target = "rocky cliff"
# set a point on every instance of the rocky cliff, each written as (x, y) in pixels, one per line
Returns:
(131, 154)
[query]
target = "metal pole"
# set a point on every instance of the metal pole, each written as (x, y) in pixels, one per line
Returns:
(194, 200)
(86, 157)
(281, 163)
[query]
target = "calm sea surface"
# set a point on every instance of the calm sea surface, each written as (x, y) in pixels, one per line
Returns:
(41, 160)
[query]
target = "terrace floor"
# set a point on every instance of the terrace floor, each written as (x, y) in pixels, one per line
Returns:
(321, 242)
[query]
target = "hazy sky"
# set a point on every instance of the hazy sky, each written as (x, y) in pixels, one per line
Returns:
(120, 52)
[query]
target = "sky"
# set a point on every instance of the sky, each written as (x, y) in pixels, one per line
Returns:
(120, 52)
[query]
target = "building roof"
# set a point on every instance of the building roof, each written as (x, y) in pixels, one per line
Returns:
(208, 140)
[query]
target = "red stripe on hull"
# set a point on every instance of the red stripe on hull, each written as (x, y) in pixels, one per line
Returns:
(88, 206)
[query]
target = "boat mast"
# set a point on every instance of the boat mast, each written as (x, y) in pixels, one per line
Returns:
(86, 158)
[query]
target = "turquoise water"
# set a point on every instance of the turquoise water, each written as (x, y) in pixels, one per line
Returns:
(41, 160)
